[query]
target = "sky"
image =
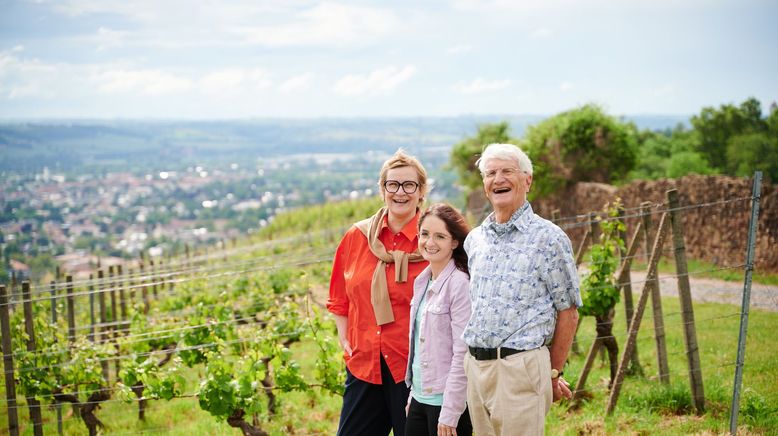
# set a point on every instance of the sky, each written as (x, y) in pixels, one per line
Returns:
(222, 59)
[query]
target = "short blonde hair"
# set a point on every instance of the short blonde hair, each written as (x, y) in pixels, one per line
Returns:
(402, 159)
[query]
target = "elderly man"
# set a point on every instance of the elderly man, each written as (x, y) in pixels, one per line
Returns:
(524, 295)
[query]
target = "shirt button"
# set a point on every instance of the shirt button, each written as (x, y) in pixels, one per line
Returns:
(386, 356)
(378, 332)
(421, 339)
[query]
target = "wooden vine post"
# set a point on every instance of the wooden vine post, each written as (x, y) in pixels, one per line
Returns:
(622, 277)
(687, 308)
(29, 328)
(624, 281)
(91, 292)
(8, 364)
(70, 309)
(103, 318)
(638, 315)
(656, 305)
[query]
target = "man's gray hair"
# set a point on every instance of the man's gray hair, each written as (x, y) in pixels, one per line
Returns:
(505, 152)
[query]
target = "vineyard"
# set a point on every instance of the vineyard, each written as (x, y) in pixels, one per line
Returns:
(235, 340)
(235, 333)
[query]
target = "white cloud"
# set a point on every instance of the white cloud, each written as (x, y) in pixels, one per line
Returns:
(540, 33)
(145, 81)
(379, 82)
(21, 78)
(460, 49)
(235, 81)
(204, 23)
(107, 38)
(481, 85)
(565, 86)
(666, 90)
(325, 24)
(297, 83)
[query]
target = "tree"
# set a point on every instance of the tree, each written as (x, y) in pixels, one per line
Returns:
(753, 152)
(717, 126)
(465, 154)
(582, 144)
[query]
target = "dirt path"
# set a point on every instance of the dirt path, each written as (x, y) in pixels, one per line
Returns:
(713, 290)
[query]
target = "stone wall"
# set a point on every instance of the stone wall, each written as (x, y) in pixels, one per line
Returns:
(715, 224)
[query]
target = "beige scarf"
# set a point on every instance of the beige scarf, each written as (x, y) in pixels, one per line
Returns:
(379, 290)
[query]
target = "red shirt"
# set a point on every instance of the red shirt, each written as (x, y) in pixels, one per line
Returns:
(352, 273)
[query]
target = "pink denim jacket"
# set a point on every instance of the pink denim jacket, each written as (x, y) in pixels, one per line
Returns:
(441, 348)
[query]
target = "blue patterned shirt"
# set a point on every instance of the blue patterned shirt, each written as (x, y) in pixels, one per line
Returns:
(521, 273)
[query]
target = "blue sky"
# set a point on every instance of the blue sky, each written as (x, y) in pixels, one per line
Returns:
(197, 59)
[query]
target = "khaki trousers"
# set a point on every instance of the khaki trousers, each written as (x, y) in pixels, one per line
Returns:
(509, 396)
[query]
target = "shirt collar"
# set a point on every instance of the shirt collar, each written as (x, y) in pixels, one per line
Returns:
(519, 220)
(410, 230)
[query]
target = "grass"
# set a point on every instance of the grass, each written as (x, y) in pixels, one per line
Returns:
(648, 407)
(645, 406)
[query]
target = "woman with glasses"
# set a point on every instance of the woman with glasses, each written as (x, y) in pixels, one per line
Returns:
(371, 287)
(440, 310)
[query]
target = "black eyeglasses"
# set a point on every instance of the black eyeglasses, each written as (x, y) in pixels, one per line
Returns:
(409, 186)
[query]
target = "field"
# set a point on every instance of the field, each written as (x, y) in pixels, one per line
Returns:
(283, 277)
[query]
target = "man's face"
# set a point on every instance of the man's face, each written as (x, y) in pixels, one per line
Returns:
(506, 186)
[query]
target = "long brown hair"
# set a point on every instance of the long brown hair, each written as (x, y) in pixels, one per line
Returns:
(456, 225)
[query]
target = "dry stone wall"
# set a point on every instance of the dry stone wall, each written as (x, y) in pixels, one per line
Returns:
(715, 222)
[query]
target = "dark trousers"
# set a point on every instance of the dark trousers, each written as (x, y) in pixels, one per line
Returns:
(373, 410)
(423, 421)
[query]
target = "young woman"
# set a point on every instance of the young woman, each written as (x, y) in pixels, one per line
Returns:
(440, 310)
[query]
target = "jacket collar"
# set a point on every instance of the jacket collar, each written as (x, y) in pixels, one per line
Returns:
(426, 275)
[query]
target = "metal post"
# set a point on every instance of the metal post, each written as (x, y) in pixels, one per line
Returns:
(741, 344)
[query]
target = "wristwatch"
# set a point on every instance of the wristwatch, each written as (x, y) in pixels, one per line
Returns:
(555, 373)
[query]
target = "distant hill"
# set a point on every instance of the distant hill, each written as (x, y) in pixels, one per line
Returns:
(68, 145)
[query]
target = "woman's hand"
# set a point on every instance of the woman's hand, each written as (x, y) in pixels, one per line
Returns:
(444, 430)
(341, 322)
(345, 344)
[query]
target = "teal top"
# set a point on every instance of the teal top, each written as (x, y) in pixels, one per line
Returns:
(416, 387)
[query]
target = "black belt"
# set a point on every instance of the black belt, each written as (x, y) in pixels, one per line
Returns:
(492, 353)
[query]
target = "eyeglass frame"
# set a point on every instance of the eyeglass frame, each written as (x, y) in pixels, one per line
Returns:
(485, 174)
(400, 184)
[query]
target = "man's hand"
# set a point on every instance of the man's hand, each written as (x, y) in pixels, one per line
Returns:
(444, 430)
(561, 388)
